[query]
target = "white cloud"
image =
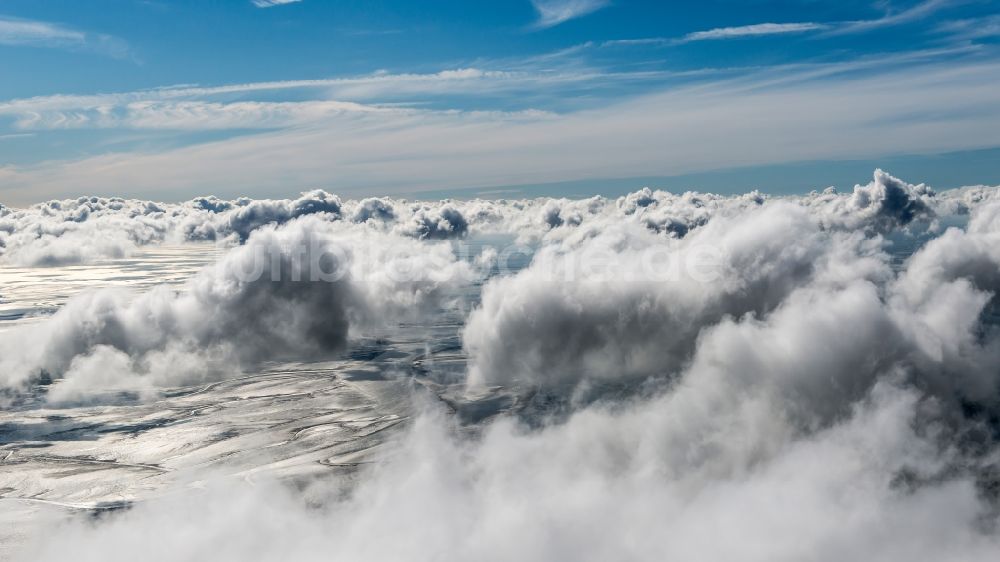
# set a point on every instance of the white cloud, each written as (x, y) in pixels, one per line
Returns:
(192, 115)
(26, 32)
(815, 402)
(554, 12)
(770, 116)
(754, 30)
(892, 18)
(189, 107)
(272, 3)
(299, 290)
(618, 314)
(32, 33)
(971, 28)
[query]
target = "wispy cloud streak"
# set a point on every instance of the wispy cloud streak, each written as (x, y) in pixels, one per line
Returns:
(272, 3)
(784, 115)
(755, 30)
(970, 29)
(554, 12)
(26, 32)
(31, 33)
(213, 107)
(916, 13)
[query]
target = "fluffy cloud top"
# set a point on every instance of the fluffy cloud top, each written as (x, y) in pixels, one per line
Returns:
(295, 291)
(689, 376)
(90, 228)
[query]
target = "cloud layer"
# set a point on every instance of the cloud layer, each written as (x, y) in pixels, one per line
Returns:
(689, 376)
(360, 148)
(298, 291)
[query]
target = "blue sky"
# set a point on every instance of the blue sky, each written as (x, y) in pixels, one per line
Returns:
(171, 99)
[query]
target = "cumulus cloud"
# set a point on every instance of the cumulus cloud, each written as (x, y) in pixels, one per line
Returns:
(616, 301)
(882, 205)
(104, 373)
(627, 303)
(435, 222)
(816, 416)
(296, 291)
(259, 212)
(79, 230)
(962, 201)
(374, 209)
(91, 228)
(692, 376)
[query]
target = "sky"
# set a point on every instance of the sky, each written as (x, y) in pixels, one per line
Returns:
(266, 98)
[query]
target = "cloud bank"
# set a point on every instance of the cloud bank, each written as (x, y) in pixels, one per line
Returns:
(87, 229)
(294, 291)
(690, 376)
